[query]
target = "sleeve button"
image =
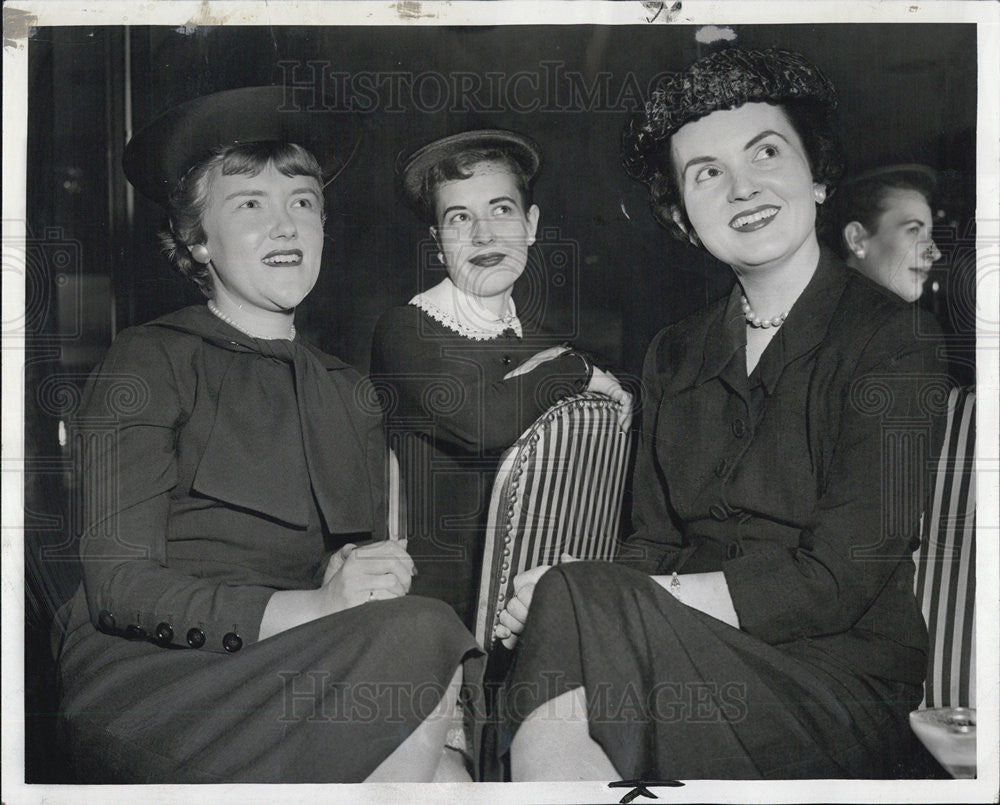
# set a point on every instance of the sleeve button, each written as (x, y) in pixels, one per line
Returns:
(106, 621)
(232, 642)
(195, 638)
(507, 361)
(164, 632)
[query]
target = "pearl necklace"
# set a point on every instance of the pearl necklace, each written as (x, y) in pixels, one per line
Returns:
(755, 321)
(215, 310)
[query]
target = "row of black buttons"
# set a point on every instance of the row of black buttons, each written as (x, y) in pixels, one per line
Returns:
(721, 511)
(231, 641)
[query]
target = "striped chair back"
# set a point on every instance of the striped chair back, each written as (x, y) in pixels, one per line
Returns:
(558, 489)
(945, 581)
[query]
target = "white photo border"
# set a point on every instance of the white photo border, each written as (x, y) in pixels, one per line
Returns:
(21, 17)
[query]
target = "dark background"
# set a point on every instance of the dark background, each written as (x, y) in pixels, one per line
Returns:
(604, 274)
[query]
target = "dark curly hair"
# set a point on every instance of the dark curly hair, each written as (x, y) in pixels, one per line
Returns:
(863, 198)
(728, 79)
(189, 198)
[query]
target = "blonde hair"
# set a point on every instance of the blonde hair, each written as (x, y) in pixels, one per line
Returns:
(189, 197)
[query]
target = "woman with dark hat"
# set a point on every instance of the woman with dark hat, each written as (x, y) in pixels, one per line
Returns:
(880, 224)
(242, 616)
(460, 376)
(778, 635)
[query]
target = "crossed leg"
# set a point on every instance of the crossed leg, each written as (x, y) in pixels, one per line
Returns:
(554, 743)
(423, 757)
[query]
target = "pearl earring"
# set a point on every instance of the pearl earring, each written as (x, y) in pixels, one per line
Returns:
(441, 256)
(820, 194)
(200, 253)
(860, 253)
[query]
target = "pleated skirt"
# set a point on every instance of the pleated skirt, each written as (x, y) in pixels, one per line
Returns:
(325, 702)
(675, 694)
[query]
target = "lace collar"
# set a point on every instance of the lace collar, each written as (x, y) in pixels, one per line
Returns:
(465, 314)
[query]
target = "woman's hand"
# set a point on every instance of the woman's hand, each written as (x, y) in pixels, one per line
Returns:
(600, 381)
(377, 571)
(537, 360)
(607, 384)
(353, 576)
(516, 612)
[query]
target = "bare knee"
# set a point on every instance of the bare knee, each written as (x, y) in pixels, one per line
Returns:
(554, 743)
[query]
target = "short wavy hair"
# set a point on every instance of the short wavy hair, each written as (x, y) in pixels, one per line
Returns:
(728, 79)
(864, 198)
(461, 166)
(189, 198)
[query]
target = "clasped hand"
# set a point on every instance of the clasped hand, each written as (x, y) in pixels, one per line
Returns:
(377, 571)
(607, 384)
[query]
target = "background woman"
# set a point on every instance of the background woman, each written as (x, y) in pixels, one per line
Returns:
(881, 225)
(787, 641)
(230, 626)
(459, 372)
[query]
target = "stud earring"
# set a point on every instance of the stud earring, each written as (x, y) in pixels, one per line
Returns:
(820, 194)
(860, 253)
(200, 253)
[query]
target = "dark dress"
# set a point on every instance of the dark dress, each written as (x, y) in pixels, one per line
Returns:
(216, 470)
(803, 484)
(450, 414)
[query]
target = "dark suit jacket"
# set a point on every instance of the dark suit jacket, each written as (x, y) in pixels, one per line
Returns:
(450, 415)
(803, 483)
(217, 469)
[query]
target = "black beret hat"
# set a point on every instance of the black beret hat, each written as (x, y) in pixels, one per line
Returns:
(160, 154)
(726, 79)
(413, 169)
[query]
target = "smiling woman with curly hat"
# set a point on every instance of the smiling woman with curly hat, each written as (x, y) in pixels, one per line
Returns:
(760, 622)
(230, 627)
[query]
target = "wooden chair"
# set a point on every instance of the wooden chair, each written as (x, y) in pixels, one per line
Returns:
(558, 488)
